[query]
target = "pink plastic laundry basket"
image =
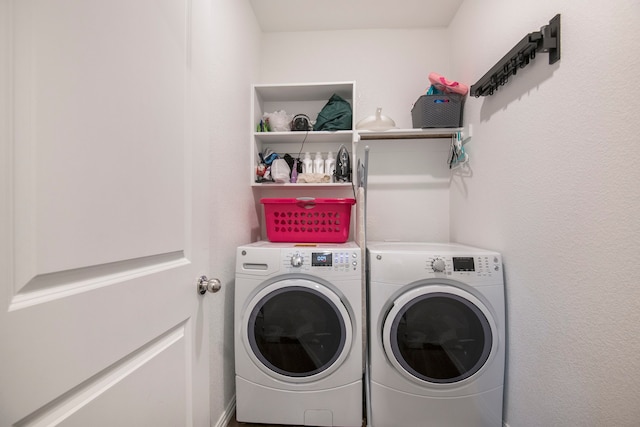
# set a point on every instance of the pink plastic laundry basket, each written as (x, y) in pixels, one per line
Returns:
(307, 220)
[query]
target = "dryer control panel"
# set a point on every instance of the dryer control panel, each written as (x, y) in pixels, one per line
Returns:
(407, 262)
(321, 260)
(480, 266)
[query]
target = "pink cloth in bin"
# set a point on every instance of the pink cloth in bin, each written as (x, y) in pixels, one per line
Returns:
(447, 85)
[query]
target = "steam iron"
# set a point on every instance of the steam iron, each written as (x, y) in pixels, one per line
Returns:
(343, 165)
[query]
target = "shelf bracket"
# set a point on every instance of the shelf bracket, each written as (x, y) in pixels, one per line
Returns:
(546, 40)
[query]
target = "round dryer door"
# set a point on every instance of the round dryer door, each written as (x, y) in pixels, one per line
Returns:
(439, 334)
(297, 330)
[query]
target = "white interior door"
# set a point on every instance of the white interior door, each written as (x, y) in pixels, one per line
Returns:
(103, 213)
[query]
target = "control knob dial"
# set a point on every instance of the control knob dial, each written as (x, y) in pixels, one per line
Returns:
(296, 260)
(438, 265)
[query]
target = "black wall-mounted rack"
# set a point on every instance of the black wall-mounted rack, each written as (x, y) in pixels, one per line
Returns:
(545, 40)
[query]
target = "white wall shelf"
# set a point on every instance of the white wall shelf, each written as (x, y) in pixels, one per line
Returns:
(436, 133)
(302, 186)
(312, 137)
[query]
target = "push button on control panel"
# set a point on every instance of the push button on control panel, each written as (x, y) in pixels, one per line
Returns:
(346, 261)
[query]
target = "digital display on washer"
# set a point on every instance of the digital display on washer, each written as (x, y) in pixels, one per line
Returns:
(321, 259)
(463, 264)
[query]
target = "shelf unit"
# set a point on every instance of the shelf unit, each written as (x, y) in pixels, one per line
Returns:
(307, 98)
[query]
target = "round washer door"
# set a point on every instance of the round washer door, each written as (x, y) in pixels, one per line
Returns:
(439, 334)
(297, 330)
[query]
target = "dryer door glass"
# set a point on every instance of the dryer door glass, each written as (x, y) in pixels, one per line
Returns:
(441, 338)
(296, 331)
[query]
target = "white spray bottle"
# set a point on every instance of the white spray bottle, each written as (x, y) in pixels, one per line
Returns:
(318, 163)
(307, 163)
(330, 165)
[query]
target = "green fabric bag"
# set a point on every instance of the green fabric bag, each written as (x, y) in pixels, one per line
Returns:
(335, 115)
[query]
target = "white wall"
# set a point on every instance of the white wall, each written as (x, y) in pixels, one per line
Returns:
(235, 47)
(554, 187)
(390, 68)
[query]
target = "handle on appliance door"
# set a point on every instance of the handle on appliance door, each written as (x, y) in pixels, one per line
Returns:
(205, 284)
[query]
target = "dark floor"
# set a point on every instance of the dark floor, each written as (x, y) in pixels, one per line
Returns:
(234, 423)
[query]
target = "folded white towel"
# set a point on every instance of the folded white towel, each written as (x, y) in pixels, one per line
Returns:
(313, 178)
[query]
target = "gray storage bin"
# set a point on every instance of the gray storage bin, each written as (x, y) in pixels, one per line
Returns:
(438, 111)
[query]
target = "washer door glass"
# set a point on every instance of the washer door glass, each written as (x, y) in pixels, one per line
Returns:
(440, 337)
(297, 331)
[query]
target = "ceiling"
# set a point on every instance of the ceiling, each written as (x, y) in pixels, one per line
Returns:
(323, 15)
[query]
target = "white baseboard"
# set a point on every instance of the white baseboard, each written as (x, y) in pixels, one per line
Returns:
(504, 424)
(226, 416)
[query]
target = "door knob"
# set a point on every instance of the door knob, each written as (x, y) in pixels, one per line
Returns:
(205, 284)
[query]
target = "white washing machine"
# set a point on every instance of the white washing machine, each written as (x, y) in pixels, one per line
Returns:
(437, 335)
(298, 334)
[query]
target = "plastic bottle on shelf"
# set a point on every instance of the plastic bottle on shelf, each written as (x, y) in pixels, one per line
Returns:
(318, 163)
(307, 163)
(330, 165)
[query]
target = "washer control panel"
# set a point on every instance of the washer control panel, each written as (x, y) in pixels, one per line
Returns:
(317, 260)
(480, 266)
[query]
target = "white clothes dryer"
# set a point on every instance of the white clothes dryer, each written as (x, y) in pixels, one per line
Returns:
(298, 334)
(437, 335)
